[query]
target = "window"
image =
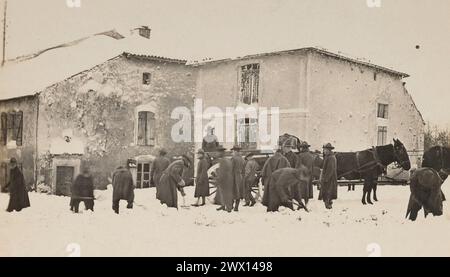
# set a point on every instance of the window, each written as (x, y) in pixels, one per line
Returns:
(11, 127)
(247, 130)
(146, 78)
(146, 124)
(382, 135)
(383, 110)
(249, 84)
(143, 175)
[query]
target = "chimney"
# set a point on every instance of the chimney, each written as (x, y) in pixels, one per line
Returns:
(144, 31)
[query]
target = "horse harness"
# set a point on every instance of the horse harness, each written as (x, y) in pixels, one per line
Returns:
(366, 166)
(370, 165)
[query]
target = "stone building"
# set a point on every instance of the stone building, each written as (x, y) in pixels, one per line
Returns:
(117, 110)
(321, 96)
(108, 108)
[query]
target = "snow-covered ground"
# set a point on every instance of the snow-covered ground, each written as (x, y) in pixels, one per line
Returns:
(48, 228)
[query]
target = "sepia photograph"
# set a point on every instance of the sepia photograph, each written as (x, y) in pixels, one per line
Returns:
(213, 128)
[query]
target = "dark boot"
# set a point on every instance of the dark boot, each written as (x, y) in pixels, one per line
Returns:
(236, 205)
(221, 208)
(375, 193)
(368, 198)
(115, 207)
(363, 200)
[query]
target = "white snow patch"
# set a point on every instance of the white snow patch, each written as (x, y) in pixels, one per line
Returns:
(151, 229)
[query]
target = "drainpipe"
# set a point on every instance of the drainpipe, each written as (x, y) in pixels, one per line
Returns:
(36, 153)
(4, 34)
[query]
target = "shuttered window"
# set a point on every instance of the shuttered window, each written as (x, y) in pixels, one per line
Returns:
(12, 127)
(146, 126)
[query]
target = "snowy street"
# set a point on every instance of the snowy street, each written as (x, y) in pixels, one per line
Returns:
(350, 229)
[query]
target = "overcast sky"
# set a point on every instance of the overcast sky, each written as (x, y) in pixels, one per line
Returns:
(387, 35)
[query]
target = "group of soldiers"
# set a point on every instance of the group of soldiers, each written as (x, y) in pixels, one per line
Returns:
(286, 178)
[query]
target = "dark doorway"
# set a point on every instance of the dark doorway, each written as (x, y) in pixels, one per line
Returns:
(64, 179)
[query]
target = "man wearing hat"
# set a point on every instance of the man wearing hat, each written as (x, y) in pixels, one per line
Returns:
(328, 179)
(238, 176)
(18, 195)
(306, 159)
(171, 181)
(287, 152)
(201, 179)
(251, 168)
(158, 166)
(225, 181)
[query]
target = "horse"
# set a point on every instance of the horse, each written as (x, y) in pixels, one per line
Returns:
(438, 158)
(425, 188)
(369, 164)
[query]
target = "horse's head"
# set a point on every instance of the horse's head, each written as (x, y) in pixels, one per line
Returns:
(401, 155)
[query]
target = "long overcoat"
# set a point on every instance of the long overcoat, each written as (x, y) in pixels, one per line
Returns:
(18, 199)
(275, 162)
(225, 183)
(238, 176)
(158, 166)
(307, 159)
(201, 180)
(123, 186)
(328, 179)
(286, 184)
(171, 181)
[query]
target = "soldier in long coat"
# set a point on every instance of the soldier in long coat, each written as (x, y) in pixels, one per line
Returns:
(123, 187)
(238, 176)
(82, 191)
(158, 166)
(273, 163)
(251, 168)
(328, 179)
(225, 181)
(201, 179)
(287, 152)
(172, 181)
(18, 195)
(306, 159)
(285, 185)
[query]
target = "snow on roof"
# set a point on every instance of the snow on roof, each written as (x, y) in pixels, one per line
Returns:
(18, 79)
(318, 50)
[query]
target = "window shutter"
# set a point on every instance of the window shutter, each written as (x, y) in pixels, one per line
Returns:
(18, 126)
(4, 128)
(151, 128)
(142, 126)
